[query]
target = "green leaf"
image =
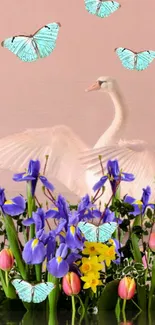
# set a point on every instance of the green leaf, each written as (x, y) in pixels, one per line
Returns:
(152, 290)
(14, 245)
(135, 249)
(118, 310)
(149, 213)
(141, 290)
(109, 296)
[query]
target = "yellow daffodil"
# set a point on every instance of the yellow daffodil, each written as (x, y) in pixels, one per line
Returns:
(108, 255)
(91, 248)
(90, 264)
(91, 281)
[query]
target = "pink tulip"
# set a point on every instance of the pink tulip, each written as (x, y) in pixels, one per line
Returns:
(71, 284)
(6, 259)
(144, 260)
(152, 242)
(126, 288)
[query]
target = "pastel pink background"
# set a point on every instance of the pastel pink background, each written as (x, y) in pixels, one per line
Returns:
(51, 91)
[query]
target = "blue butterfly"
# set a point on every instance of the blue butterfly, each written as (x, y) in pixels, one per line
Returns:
(32, 293)
(101, 8)
(39, 45)
(135, 60)
(100, 234)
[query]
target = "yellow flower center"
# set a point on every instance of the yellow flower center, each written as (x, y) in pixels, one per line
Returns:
(59, 259)
(92, 248)
(35, 243)
(94, 282)
(72, 230)
(86, 267)
(8, 202)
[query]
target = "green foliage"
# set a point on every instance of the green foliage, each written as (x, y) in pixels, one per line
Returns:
(109, 296)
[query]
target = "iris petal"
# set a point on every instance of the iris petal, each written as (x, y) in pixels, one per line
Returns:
(57, 269)
(46, 183)
(17, 207)
(34, 254)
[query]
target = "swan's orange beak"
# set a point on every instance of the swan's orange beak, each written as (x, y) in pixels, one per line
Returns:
(95, 86)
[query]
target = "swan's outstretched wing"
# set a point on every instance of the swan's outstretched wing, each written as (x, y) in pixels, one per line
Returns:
(60, 143)
(135, 157)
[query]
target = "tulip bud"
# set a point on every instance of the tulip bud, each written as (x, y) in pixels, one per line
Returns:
(152, 242)
(126, 288)
(6, 259)
(71, 284)
(144, 260)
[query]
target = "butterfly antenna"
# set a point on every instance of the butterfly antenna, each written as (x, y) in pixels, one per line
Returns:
(59, 24)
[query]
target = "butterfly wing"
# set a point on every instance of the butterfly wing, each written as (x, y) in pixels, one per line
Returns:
(91, 6)
(22, 47)
(127, 57)
(89, 231)
(41, 291)
(144, 59)
(23, 289)
(107, 8)
(106, 230)
(46, 38)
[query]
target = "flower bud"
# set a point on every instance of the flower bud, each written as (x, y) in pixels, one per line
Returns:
(71, 284)
(152, 242)
(144, 260)
(126, 288)
(6, 259)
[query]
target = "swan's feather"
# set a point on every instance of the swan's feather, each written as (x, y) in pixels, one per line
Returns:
(134, 157)
(60, 143)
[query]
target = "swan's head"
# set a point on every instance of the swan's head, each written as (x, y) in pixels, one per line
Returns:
(106, 84)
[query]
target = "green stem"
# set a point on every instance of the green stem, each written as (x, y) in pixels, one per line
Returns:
(6, 278)
(123, 310)
(31, 208)
(38, 268)
(9, 290)
(73, 309)
(53, 296)
(136, 305)
(83, 309)
(14, 245)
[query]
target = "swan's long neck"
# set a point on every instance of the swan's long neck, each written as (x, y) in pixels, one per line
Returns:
(113, 133)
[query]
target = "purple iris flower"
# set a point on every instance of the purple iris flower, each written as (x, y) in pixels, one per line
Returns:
(32, 176)
(58, 266)
(38, 218)
(61, 211)
(74, 237)
(84, 208)
(114, 175)
(34, 251)
(109, 216)
(117, 247)
(140, 207)
(12, 207)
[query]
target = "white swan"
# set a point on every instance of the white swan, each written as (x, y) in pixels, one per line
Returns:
(63, 146)
(137, 156)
